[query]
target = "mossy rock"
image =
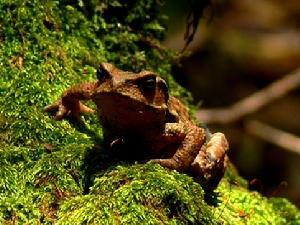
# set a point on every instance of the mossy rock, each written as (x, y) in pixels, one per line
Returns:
(57, 172)
(138, 194)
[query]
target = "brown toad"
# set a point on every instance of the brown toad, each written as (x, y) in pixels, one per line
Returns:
(135, 109)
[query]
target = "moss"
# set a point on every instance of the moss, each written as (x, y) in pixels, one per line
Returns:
(54, 171)
(139, 194)
(237, 205)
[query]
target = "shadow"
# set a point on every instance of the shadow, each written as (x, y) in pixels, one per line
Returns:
(211, 197)
(103, 155)
(96, 160)
(80, 125)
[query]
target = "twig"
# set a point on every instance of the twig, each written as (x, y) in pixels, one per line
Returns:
(193, 20)
(275, 136)
(252, 103)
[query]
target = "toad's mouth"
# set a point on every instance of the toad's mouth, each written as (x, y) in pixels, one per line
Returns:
(115, 100)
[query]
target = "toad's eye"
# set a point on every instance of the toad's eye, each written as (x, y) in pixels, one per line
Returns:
(148, 83)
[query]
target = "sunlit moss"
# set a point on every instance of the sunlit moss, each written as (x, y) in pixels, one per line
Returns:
(139, 194)
(238, 205)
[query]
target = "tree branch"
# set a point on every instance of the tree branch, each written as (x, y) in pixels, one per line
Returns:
(275, 136)
(252, 103)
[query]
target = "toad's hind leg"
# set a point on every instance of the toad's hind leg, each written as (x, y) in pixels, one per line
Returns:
(209, 165)
(186, 152)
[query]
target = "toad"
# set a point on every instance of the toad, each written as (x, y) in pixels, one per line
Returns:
(135, 109)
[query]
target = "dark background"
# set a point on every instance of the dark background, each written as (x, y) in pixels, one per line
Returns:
(240, 47)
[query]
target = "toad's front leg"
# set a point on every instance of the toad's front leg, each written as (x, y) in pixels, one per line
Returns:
(192, 137)
(69, 104)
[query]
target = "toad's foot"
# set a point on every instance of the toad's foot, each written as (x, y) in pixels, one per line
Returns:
(69, 104)
(209, 165)
(65, 109)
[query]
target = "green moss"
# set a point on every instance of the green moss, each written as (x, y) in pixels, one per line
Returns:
(55, 171)
(139, 194)
(286, 212)
(240, 206)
